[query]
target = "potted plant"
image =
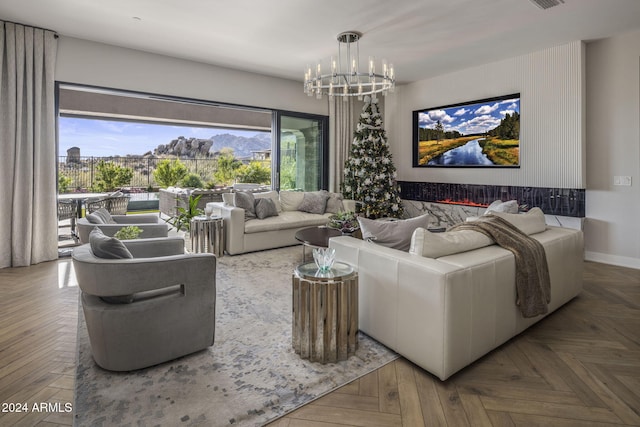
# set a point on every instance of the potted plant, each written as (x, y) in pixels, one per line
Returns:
(129, 232)
(185, 215)
(345, 221)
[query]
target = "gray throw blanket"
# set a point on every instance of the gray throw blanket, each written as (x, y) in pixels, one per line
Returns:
(533, 286)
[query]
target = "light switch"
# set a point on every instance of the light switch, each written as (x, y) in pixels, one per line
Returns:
(622, 180)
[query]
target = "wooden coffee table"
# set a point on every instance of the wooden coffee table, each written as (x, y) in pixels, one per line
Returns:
(315, 237)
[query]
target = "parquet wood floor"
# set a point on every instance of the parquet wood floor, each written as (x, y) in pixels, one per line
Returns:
(578, 367)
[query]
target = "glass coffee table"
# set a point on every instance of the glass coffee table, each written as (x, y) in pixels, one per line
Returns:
(315, 237)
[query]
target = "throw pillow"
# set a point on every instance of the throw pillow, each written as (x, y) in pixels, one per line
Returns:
(247, 202)
(435, 245)
(107, 247)
(334, 203)
(265, 207)
(290, 200)
(94, 218)
(510, 206)
(531, 222)
(104, 215)
(314, 202)
(273, 195)
(393, 234)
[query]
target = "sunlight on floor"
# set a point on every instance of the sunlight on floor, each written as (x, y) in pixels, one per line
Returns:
(66, 275)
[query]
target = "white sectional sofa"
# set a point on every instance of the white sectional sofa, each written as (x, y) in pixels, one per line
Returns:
(275, 231)
(444, 312)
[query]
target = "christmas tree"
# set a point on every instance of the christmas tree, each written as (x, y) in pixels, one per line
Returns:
(369, 173)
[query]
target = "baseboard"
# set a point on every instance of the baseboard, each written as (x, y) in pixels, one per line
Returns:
(621, 261)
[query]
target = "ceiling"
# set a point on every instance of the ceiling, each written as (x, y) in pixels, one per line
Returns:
(422, 38)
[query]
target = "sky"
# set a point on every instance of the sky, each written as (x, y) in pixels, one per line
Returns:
(100, 138)
(471, 118)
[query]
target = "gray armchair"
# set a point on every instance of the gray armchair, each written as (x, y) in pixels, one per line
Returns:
(150, 224)
(154, 307)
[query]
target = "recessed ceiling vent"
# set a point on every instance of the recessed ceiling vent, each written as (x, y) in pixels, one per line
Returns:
(546, 4)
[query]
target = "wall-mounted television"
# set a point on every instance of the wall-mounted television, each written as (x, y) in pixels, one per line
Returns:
(482, 133)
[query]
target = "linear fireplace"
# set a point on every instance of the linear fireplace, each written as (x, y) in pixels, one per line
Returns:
(552, 201)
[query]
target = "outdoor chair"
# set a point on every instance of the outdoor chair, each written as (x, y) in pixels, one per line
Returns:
(115, 204)
(67, 209)
(154, 307)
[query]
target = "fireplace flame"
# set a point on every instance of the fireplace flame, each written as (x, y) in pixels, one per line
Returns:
(465, 202)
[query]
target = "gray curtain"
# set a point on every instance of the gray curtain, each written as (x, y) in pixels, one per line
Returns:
(28, 223)
(341, 128)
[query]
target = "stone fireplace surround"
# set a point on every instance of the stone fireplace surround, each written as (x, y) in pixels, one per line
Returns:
(449, 204)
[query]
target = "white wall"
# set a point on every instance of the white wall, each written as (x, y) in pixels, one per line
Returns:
(550, 82)
(85, 62)
(551, 87)
(612, 228)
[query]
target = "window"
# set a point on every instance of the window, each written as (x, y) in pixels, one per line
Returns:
(133, 130)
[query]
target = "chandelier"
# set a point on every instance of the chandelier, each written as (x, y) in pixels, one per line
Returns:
(344, 77)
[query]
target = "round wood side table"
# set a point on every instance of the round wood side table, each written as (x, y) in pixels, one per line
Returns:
(207, 234)
(325, 312)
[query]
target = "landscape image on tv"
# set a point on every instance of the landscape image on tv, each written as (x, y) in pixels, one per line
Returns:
(483, 133)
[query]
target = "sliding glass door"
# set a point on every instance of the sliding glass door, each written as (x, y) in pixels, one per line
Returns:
(301, 147)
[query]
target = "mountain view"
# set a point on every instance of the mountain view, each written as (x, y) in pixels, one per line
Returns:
(243, 147)
(108, 138)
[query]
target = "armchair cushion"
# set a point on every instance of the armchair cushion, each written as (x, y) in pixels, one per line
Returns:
(94, 218)
(100, 216)
(107, 247)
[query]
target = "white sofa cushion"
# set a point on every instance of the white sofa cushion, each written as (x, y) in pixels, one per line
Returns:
(290, 200)
(531, 222)
(227, 199)
(284, 221)
(435, 245)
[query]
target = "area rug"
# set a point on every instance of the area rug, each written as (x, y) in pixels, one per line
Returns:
(249, 377)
